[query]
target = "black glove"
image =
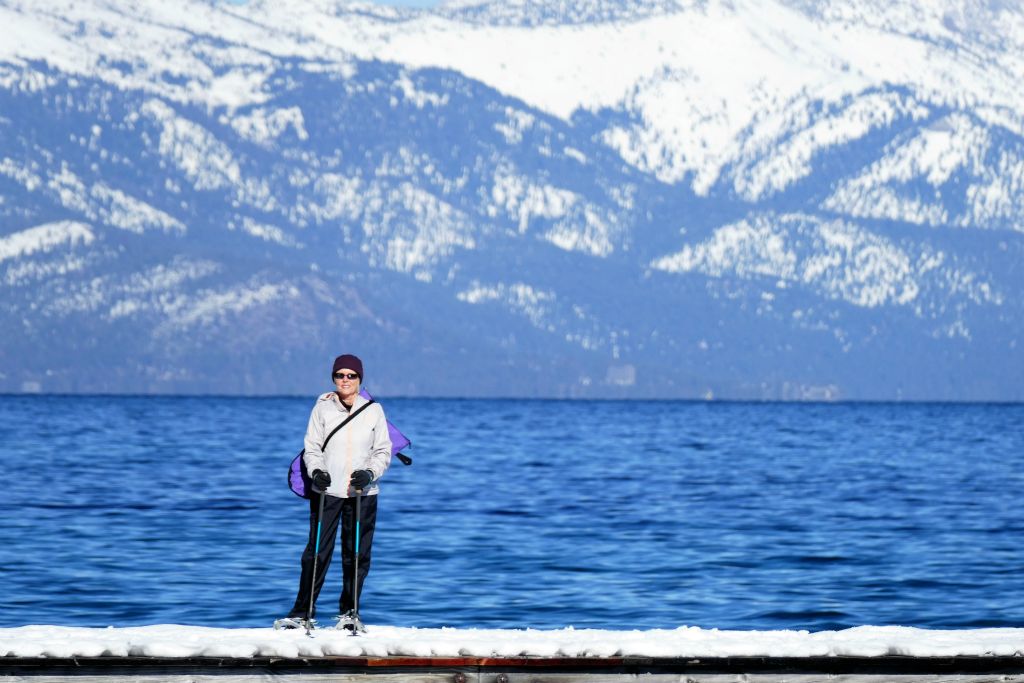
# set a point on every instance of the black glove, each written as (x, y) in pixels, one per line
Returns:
(361, 479)
(321, 479)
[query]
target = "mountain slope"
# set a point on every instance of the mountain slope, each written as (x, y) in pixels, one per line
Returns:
(747, 199)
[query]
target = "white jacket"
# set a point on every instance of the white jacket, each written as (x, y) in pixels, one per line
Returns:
(362, 444)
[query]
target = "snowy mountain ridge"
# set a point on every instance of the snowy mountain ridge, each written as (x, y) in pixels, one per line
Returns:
(710, 186)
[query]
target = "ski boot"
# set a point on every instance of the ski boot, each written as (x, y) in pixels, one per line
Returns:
(349, 621)
(289, 623)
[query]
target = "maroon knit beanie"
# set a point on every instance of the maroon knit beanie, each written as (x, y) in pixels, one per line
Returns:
(348, 361)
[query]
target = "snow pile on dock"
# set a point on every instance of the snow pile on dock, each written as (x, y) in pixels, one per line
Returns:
(168, 640)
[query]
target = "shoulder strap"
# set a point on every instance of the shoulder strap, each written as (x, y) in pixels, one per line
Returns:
(345, 422)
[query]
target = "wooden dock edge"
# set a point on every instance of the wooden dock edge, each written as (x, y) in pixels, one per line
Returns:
(965, 669)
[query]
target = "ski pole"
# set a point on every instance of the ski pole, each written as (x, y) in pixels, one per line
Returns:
(355, 574)
(316, 555)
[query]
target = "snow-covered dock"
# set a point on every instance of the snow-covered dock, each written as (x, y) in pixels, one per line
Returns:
(184, 653)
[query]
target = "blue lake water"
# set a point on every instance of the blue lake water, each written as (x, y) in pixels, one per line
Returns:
(138, 510)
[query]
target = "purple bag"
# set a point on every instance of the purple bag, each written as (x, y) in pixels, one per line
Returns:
(299, 480)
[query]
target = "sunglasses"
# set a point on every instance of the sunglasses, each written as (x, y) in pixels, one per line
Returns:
(342, 375)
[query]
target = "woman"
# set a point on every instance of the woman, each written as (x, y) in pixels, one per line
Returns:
(356, 458)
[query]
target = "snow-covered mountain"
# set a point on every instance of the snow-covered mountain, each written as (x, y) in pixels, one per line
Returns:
(663, 198)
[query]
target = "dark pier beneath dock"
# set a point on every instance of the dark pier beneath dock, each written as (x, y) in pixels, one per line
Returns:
(977, 669)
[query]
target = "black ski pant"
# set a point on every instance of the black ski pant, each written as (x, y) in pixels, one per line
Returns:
(336, 510)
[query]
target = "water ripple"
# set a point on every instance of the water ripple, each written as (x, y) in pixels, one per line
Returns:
(525, 514)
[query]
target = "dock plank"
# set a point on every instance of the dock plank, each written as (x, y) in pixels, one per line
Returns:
(894, 669)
